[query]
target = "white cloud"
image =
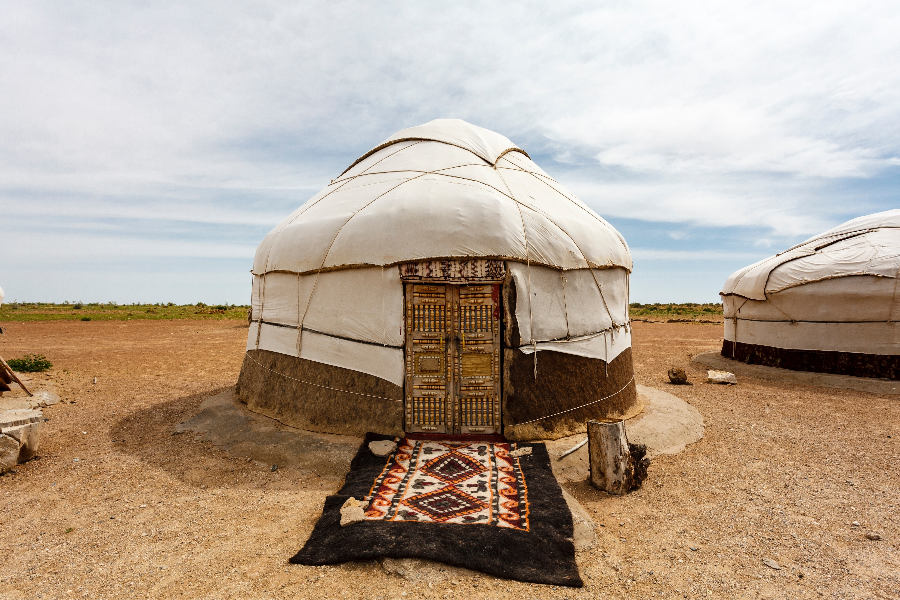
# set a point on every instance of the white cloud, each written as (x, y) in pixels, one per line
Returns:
(716, 114)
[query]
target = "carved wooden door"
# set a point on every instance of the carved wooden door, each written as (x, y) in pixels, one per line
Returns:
(453, 358)
(476, 320)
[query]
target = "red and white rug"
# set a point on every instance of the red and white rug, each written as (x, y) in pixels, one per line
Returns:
(469, 483)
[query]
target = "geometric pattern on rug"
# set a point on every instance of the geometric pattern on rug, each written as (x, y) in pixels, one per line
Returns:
(475, 483)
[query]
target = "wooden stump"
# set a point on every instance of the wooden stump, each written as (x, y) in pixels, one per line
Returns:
(613, 460)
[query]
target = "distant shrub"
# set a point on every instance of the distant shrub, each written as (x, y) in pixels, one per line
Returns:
(221, 307)
(30, 363)
(85, 318)
(200, 305)
(78, 306)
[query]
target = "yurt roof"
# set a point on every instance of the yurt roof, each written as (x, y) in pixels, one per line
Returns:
(443, 190)
(868, 245)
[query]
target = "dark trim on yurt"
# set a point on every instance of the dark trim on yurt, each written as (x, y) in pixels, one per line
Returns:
(318, 397)
(856, 364)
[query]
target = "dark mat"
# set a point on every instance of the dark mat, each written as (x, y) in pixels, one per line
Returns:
(543, 554)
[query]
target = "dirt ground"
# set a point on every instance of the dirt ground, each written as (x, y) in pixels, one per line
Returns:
(117, 506)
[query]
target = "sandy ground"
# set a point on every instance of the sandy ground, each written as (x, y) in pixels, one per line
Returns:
(116, 506)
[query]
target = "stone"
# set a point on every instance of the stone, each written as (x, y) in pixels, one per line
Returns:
(873, 536)
(352, 512)
(28, 436)
(583, 535)
(382, 447)
(721, 377)
(9, 452)
(855, 523)
(24, 426)
(771, 564)
(43, 399)
(677, 376)
(20, 416)
(520, 452)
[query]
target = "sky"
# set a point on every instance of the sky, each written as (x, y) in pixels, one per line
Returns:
(147, 148)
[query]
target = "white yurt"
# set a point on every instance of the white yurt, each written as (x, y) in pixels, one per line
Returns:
(829, 304)
(442, 284)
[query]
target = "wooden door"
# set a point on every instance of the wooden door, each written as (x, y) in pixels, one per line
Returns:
(453, 358)
(428, 371)
(476, 320)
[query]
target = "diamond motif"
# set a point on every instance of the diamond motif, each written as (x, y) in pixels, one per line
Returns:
(444, 504)
(453, 467)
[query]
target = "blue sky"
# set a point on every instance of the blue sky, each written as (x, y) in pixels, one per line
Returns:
(146, 149)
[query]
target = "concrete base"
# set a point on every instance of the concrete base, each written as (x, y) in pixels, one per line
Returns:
(229, 424)
(667, 425)
(846, 382)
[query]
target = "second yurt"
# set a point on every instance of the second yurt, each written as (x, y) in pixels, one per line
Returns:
(442, 284)
(828, 305)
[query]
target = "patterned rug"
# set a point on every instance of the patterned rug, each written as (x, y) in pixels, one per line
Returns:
(467, 503)
(446, 482)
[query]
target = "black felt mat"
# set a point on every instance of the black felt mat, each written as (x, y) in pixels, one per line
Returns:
(544, 554)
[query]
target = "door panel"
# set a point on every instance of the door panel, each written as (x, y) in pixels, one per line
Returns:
(453, 358)
(427, 370)
(477, 336)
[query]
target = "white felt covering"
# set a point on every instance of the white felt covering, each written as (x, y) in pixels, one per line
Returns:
(567, 305)
(418, 200)
(446, 189)
(835, 292)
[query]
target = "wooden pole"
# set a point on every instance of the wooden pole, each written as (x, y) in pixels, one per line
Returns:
(12, 373)
(612, 467)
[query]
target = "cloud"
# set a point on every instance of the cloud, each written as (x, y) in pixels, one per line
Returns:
(765, 114)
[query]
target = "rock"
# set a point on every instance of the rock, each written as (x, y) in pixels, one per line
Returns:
(382, 447)
(24, 426)
(771, 564)
(352, 512)
(873, 536)
(521, 452)
(855, 523)
(395, 566)
(721, 377)
(43, 399)
(28, 437)
(678, 376)
(583, 535)
(9, 452)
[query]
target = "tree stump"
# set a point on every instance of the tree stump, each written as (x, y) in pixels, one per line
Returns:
(617, 467)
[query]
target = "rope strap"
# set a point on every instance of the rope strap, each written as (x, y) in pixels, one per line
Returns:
(319, 385)
(562, 412)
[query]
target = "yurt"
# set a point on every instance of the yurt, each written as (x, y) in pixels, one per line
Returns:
(829, 304)
(442, 284)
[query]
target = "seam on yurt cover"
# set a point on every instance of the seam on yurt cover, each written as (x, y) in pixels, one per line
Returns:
(424, 139)
(527, 269)
(325, 257)
(562, 275)
(332, 335)
(894, 297)
(541, 177)
(319, 385)
(758, 320)
(562, 412)
(380, 160)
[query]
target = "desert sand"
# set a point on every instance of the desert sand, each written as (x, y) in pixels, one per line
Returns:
(117, 506)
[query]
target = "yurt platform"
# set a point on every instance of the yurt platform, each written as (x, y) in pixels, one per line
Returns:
(666, 426)
(715, 360)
